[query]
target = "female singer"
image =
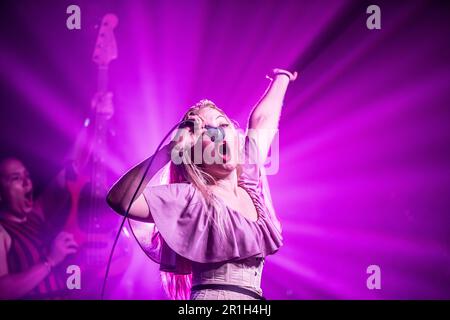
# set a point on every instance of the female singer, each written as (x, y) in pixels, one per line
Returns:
(214, 222)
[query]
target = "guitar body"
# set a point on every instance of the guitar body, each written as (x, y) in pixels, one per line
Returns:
(94, 234)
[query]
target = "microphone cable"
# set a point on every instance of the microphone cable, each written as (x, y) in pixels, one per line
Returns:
(129, 207)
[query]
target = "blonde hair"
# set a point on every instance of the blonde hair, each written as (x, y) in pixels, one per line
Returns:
(195, 174)
(178, 286)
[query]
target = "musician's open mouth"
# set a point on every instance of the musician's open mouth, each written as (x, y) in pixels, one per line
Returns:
(29, 198)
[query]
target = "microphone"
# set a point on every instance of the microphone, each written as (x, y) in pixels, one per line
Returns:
(216, 134)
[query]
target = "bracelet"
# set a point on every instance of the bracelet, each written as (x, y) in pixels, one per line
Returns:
(277, 73)
(283, 72)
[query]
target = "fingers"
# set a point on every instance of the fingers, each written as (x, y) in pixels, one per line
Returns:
(63, 235)
(102, 103)
(102, 96)
(187, 136)
(108, 95)
(70, 251)
(198, 122)
(69, 237)
(181, 135)
(71, 244)
(70, 247)
(67, 240)
(294, 76)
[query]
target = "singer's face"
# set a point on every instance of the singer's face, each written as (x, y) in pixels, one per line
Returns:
(219, 157)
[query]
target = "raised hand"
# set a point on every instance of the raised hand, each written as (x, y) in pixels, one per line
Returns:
(187, 136)
(102, 104)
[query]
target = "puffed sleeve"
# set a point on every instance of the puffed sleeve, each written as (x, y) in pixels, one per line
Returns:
(164, 241)
(183, 231)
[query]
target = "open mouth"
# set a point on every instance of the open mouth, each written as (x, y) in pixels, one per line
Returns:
(224, 151)
(29, 198)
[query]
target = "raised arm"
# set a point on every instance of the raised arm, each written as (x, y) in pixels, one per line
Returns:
(264, 118)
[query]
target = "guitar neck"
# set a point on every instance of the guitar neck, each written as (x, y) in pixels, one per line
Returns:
(102, 81)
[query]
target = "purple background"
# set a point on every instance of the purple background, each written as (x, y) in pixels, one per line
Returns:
(364, 136)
